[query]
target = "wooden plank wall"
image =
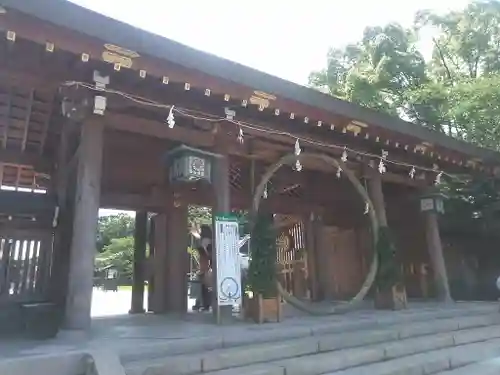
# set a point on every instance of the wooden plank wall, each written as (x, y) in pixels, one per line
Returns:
(345, 257)
(408, 231)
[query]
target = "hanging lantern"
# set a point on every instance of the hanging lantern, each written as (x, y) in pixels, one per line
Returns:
(188, 164)
(433, 201)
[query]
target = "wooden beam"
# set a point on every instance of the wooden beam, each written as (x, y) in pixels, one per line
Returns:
(157, 129)
(39, 163)
(21, 203)
(131, 202)
(395, 178)
(28, 119)
(46, 127)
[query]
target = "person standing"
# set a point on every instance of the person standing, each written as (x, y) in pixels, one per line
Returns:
(205, 276)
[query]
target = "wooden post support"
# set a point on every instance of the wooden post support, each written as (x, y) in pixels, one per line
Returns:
(83, 244)
(159, 264)
(377, 197)
(220, 182)
(177, 258)
(436, 255)
(395, 298)
(312, 252)
(140, 234)
(151, 274)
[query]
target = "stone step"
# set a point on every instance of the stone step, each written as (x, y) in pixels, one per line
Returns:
(490, 366)
(407, 324)
(443, 361)
(328, 352)
(399, 350)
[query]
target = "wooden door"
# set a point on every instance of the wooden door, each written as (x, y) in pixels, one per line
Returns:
(341, 269)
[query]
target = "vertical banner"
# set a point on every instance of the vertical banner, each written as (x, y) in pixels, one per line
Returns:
(228, 276)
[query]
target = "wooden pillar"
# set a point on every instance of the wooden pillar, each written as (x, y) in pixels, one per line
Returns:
(312, 258)
(83, 244)
(151, 278)
(322, 259)
(221, 186)
(436, 255)
(158, 298)
(177, 258)
(140, 234)
(395, 298)
(64, 187)
(377, 196)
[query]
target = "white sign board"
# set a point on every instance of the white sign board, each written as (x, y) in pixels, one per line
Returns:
(228, 260)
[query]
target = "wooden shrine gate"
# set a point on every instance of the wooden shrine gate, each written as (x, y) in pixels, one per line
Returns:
(292, 256)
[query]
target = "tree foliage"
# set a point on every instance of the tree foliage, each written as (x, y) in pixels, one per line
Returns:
(262, 269)
(119, 254)
(456, 92)
(113, 227)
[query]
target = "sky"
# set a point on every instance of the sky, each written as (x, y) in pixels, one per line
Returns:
(288, 39)
(284, 38)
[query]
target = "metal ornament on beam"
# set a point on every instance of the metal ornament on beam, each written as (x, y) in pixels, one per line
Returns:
(187, 164)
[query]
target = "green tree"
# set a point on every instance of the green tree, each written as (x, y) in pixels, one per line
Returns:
(119, 254)
(457, 92)
(376, 71)
(468, 41)
(113, 227)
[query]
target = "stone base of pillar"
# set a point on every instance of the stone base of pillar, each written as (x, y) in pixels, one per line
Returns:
(136, 311)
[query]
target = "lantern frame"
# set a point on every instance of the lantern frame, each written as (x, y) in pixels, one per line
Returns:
(432, 201)
(187, 164)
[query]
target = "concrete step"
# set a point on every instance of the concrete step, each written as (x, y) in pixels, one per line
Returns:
(490, 366)
(323, 353)
(443, 361)
(406, 322)
(399, 351)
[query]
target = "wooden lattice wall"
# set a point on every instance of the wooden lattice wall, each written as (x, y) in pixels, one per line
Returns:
(25, 258)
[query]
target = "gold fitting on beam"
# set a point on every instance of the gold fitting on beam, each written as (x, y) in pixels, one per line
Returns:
(353, 128)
